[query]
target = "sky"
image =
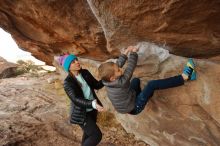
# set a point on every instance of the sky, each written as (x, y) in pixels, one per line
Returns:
(10, 51)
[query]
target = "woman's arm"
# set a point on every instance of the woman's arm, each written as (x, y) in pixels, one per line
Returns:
(96, 84)
(76, 100)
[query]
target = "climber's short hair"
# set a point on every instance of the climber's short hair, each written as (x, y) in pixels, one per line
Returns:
(106, 71)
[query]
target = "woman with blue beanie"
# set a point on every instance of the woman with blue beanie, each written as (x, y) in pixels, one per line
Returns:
(79, 85)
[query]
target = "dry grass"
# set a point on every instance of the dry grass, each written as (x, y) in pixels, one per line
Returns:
(107, 119)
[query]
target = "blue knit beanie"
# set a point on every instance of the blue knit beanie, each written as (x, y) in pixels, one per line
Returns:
(67, 61)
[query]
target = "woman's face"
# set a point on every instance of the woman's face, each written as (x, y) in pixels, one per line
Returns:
(75, 65)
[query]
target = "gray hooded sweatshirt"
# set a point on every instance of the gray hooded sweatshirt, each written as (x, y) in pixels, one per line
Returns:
(119, 92)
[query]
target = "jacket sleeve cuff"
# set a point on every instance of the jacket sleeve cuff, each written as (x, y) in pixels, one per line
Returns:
(94, 104)
(124, 56)
(134, 53)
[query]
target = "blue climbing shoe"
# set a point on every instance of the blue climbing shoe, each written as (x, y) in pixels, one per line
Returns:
(193, 76)
(189, 69)
(190, 63)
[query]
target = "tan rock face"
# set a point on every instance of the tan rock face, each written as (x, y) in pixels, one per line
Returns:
(97, 29)
(190, 28)
(46, 28)
(33, 112)
(186, 115)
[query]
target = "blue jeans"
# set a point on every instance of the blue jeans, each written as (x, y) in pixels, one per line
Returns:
(142, 97)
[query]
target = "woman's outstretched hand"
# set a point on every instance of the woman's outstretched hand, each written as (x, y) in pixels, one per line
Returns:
(100, 108)
(96, 106)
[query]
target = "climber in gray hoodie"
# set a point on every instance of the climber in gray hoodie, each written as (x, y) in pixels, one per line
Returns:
(126, 96)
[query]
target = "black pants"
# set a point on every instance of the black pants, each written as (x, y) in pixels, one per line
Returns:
(91, 132)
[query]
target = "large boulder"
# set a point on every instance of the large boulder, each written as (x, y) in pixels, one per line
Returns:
(186, 115)
(7, 69)
(190, 28)
(47, 28)
(98, 30)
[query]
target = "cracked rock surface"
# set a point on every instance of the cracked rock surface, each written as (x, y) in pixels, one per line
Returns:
(33, 112)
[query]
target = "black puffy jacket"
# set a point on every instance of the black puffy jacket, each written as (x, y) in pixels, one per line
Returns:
(75, 93)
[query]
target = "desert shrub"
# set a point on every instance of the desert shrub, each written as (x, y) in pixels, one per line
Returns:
(27, 67)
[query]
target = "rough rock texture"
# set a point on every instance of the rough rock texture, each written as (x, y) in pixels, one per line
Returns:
(191, 28)
(51, 27)
(45, 28)
(7, 69)
(186, 115)
(33, 112)
(97, 29)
